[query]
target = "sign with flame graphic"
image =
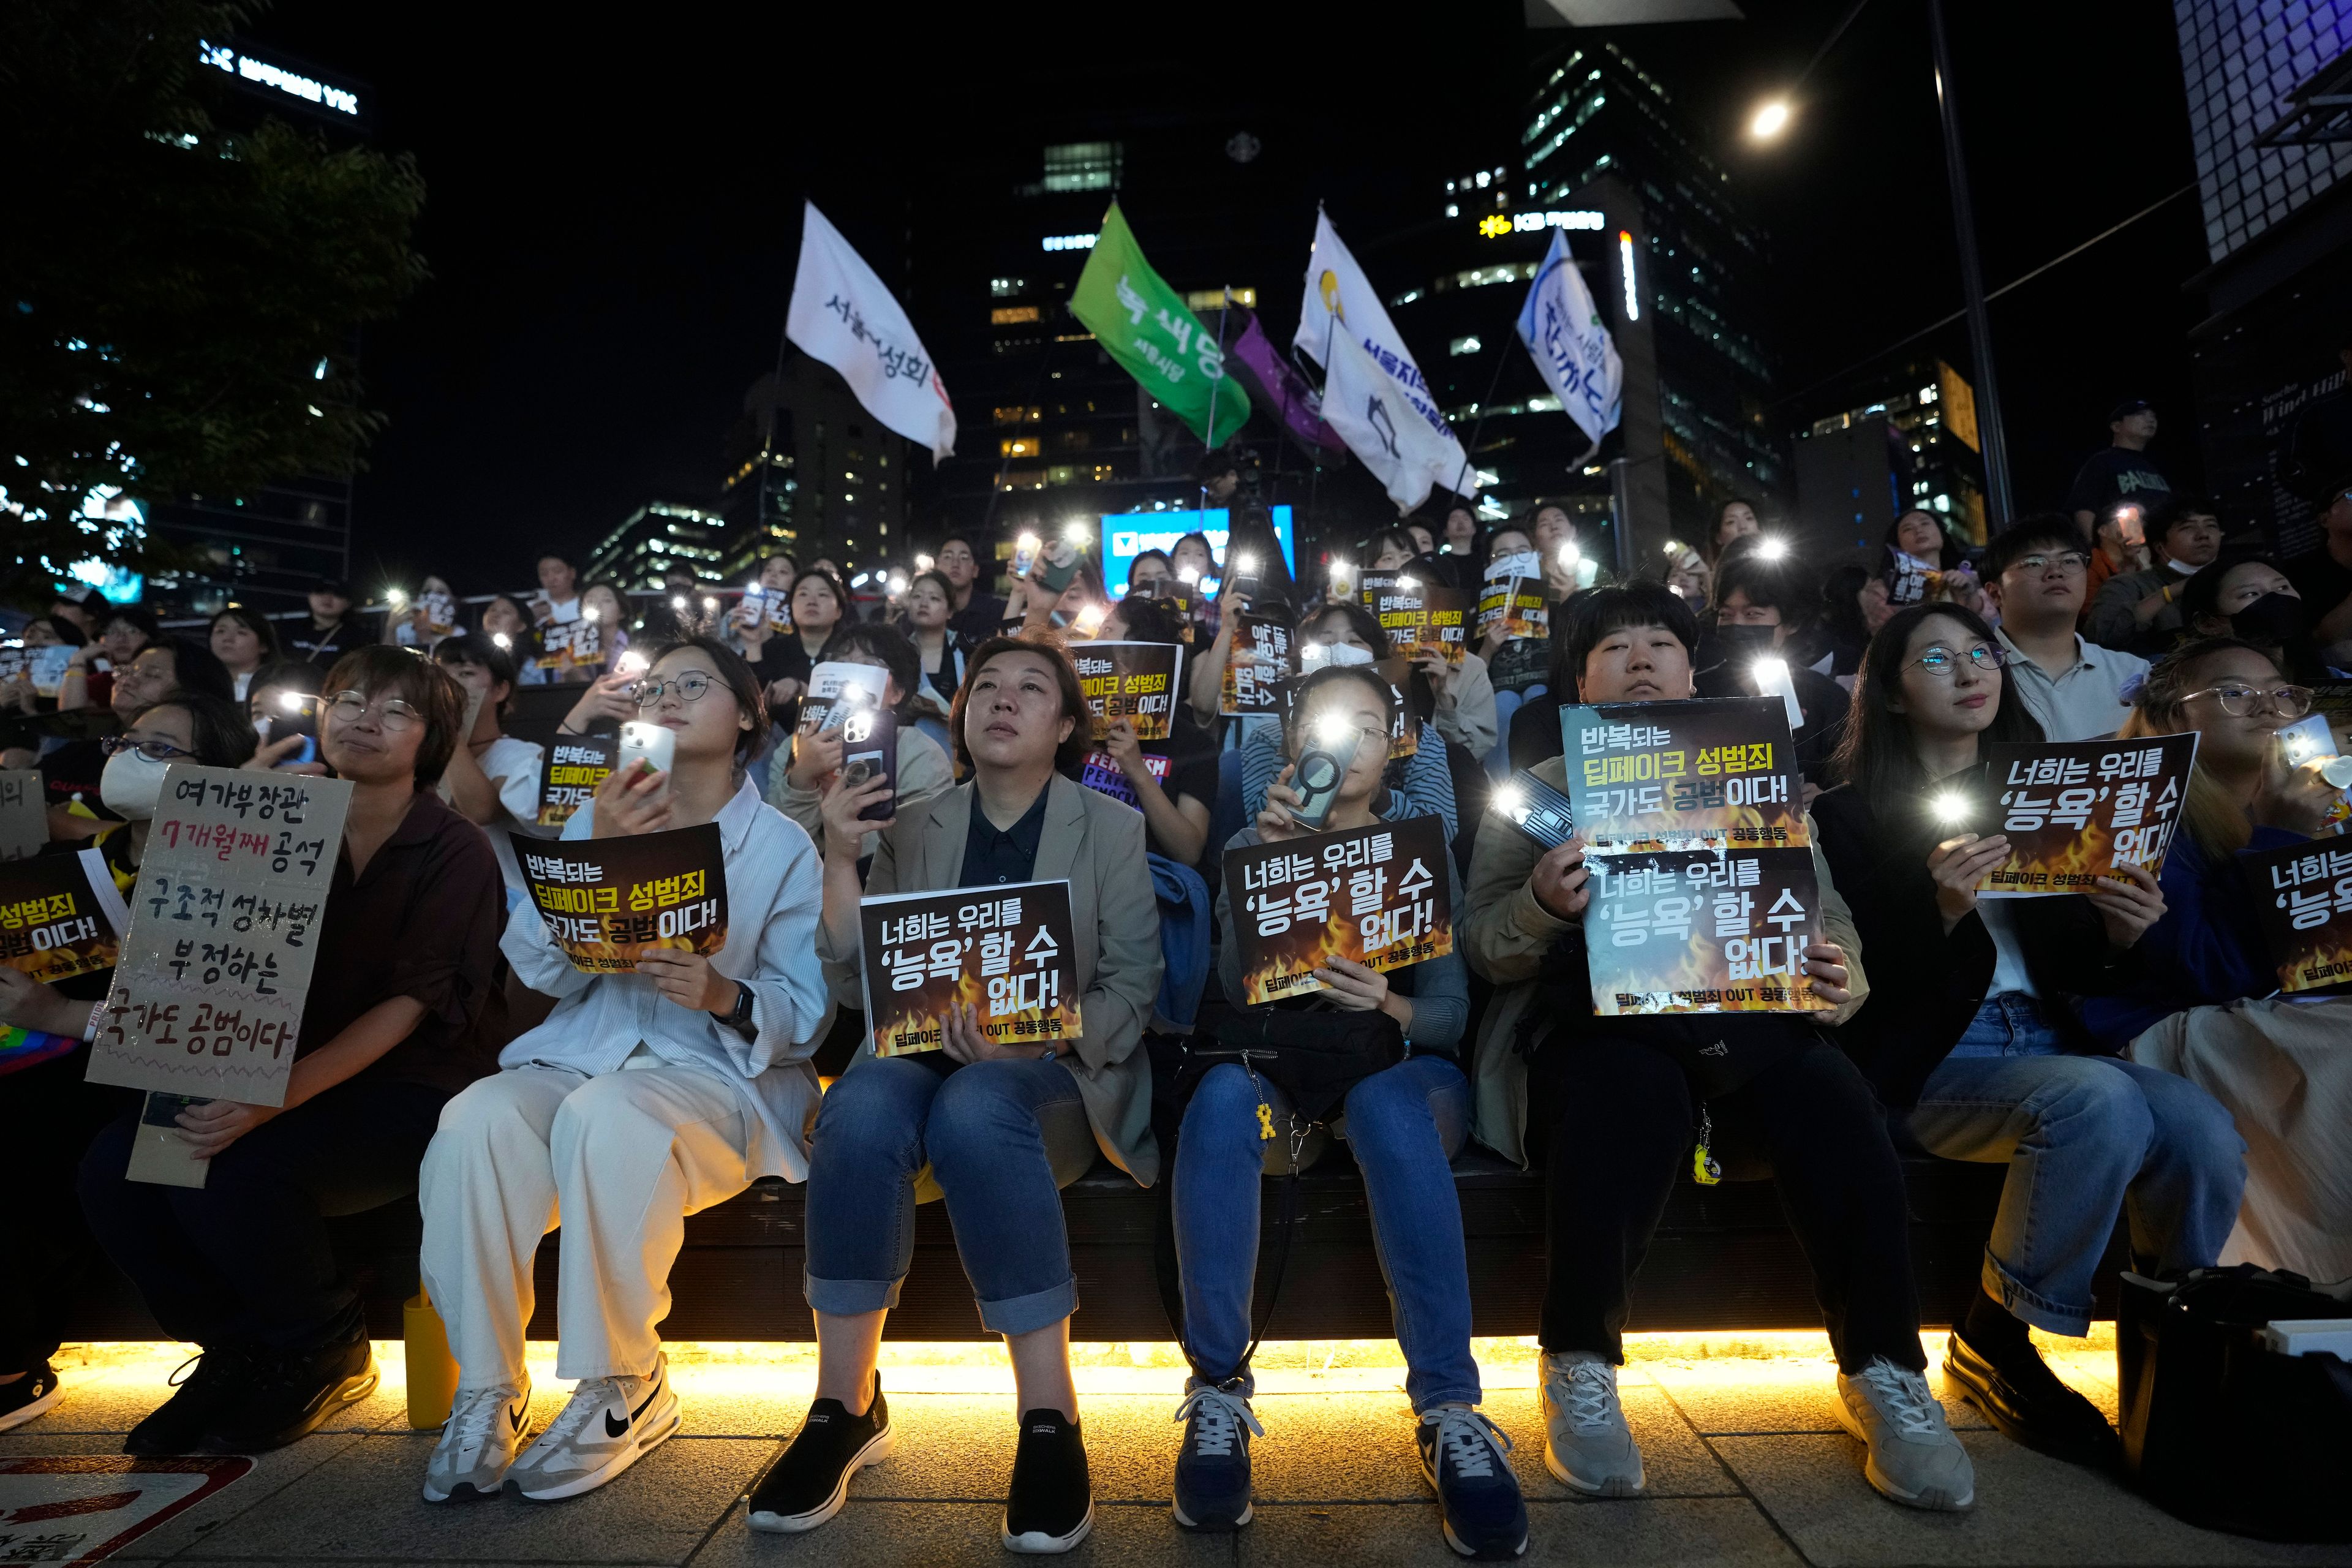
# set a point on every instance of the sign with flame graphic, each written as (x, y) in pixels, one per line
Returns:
(2305, 893)
(1377, 896)
(2074, 810)
(1714, 775)
(60, 916)
(1701, 932)
(1425, 617)
(607, 900)
(1260, 662)
(1512, 601)
(1132, 680)
(1008, 952)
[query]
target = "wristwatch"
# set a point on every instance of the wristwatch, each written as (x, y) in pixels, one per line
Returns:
(738, 1017)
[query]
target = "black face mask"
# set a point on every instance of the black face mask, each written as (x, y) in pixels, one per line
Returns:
(1741, 644)
(2271, 621)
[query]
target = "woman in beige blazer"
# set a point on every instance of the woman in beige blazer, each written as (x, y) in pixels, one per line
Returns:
(1000, 1125)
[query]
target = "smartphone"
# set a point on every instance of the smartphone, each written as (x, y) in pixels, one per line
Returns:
(1537, 809)
(652, 743)
(1322, 769)
(297, 714)
(1057, 573)
(1024, 555)
(159, 1153)
(753, 608)
(869, 750)
(2129, 525)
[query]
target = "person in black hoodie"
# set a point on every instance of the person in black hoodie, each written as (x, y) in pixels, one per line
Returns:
(1972, 1043)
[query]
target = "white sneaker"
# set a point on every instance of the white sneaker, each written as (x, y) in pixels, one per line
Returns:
(477, 1443)
(1587, 1443)
(1913, 1457)
(610, 1425)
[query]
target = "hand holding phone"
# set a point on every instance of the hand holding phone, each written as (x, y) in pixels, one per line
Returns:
(1536, 809)
(642, 741)
(869, 750)
(1322, 770)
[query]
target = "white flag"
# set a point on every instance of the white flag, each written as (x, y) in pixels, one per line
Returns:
(843, 315)
(1340, 304)
(1374, 416)
(1563, 330)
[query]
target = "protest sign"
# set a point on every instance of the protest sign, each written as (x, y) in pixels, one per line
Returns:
(1370, 586)
(1425, 617)
(44, 668)
(1701, 932)
(60, 916)
(1259, 661)
(23, 814)
(1377, 896)
(2304, 892)
(1714, 775)
(1132, 680)
(1103, 772)
(829, 682)
(2073, 810)
(607, 901)
(215, 970)
(1008, 952)
(566, 644)
(1512, 601)
(576, 764)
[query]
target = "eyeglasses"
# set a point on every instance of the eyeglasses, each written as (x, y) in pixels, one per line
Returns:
(396, 716)
(2245, 701)
(2066, 561)
(691, 687)
(153, 751)
(1943, 661)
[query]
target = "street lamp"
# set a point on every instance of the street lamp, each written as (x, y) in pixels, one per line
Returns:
(1771, 119)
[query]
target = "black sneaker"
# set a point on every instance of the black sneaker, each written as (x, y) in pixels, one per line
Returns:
(810, 1479)
(177, 1425)
(1051, 1506)
(2028, 1402)
(30, 1396)
(1478, 1500)
(290, 1396)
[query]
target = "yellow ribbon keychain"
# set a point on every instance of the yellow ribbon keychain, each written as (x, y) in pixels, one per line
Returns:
(1704, 1169)
(1265, 1122)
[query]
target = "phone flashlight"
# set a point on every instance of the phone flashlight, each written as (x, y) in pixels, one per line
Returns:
(1952, 808)
(1772, 549)
(1322, 769)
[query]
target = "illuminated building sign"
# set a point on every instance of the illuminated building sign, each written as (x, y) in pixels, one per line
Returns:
(1069, 242)
(1625, 260)
(1494, 226)
(272, 79)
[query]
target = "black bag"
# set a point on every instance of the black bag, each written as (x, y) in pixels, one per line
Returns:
(2218, 1429)
(1313, 1056)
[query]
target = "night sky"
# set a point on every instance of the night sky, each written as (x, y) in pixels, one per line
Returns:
(612, 217)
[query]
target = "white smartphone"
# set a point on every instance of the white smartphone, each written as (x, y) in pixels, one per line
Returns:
(159, 1153)
(655, 743)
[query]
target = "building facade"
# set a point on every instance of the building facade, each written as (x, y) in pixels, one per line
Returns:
(658, 538)
(810, 472)
(1907, 438)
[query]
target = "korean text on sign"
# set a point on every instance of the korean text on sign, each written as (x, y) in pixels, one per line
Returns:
(1375, 896)
(2305, 894)
(1719, 775)
(607, 901)
(2074, 810)
(1007, 952)
(1702, 933)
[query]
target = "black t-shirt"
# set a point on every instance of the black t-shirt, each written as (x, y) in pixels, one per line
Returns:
(74, 768)
(980, 619)
(322, 645)
(2115, 476)
(2321, 580)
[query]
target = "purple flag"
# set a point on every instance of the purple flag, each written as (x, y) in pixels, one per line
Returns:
(1281, 391)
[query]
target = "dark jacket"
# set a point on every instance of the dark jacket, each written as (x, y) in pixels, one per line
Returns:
(1925, 984)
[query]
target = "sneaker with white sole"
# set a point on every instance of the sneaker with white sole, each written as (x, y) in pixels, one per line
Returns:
(610, 1425)
(1586, 1444)
(1050, 1506)
(810, 1480)
(479, 1443)
(1212, 1468)
(1913, 1457)
(35, 1394)
(1478, 1503)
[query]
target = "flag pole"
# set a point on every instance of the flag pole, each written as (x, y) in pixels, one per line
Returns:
(1471, 447)
(1225, 303)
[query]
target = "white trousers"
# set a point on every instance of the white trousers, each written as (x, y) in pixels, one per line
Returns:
(620, 1160)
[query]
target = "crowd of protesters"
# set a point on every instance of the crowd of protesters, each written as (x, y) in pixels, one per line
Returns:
(2107, 1047)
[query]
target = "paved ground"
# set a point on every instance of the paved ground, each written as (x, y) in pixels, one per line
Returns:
(1746, 1464)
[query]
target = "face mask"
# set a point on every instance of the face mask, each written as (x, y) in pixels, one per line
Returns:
(2270, 621)
(131, 786)
(1744, 643)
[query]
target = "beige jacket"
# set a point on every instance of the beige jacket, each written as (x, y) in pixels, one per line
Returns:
(924, 774)
(1505, 936)
(1098, 844)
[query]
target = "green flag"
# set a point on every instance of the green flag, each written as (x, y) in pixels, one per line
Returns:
(1142, 323)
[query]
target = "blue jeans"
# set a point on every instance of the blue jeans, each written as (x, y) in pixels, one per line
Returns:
(2082, 1138)
(1498, 760)
(1003, 1138)
(1403, 1126)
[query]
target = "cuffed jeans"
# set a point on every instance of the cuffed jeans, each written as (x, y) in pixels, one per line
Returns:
(1403, 1126)
(2083, 1136)
(1003, 1138)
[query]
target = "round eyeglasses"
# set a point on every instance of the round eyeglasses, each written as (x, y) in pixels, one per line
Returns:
(153, 751)
(1943, 661)
(691, 687)
(2245, 701)
(394, 715)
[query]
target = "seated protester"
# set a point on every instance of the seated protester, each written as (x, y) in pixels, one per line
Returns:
(19, 695)
(493, 778)
(70, 772)
(1419, 786)
(2036, 571)
(1517, 667)
(1919, 551)
(1853, 607)
(2140, 612)
(1000, 1126)
(244, 641)
(642, 1099)
(1256, 578)
(1403, 1125)
(1763, 608)
(970, 571)
(274, 688)
(2243, 595)
(2324, 575)
(426, 619)
(924, 771)
(406, 961)
(2196, 1008)
(820, 604)
(1176, 802)
(509, 626)
(1151, 575)
(938, 653)
(52, 1112)
(1970, 1038)
(91, 674)
(1609, 1104)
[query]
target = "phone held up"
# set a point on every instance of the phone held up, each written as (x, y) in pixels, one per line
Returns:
(1322, 769)
(869, 750)
(1536, 809)
(654, 744)
(298, 714)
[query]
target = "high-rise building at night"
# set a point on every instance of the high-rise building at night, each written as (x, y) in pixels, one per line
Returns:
(1905, 438)
(660, 537)
(810, 472)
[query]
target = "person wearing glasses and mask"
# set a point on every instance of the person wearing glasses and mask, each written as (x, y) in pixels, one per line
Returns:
(53, 1113)
(2278, 1065)
(642, 1099)
(405, 957)
(2038, 574)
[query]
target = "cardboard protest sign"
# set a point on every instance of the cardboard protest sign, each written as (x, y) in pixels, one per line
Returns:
(1701, 932)
(1260, 660)
(1132, 680)
(608, 900)
(1714, 775)
(60, 916)
(1377, 896)
(1103, 772)
(829, 682)
(1425, 617)
(23, 814)
(1512, 600)
(2073, 810)
(209, 987)
(2304, 892)
(1008, 952)
(576, 764)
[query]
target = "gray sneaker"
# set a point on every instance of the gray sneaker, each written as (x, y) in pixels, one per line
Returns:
(1586, 1441)
(610, 1425)
(477, 1443)
(1913, 1457)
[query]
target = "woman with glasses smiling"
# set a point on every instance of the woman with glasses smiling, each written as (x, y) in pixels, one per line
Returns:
(1970, 1039)
(405, 965)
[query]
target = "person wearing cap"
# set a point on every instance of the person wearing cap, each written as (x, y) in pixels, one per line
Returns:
(2120, 476)
(329, 633)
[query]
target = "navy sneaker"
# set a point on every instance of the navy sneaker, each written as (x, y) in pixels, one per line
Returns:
(1477, 1495)
(1212, 1468)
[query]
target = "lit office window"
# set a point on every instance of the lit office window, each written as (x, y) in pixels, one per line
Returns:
(1010, 315)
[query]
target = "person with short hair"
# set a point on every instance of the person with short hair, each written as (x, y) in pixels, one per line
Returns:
(1766, 608)
(2139, 612)
(2121, 473)
(1735, 519)
(924, 771)
(89, 674)
(973, 612)
(244, 641)
(2324, 575)
(559, 590)
(406, 963)
(1177, 800)
(2037, 571)
(493, 778)
(330, 632)
(939, 651)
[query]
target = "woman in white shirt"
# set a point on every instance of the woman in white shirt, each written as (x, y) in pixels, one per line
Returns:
(644, 1097)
